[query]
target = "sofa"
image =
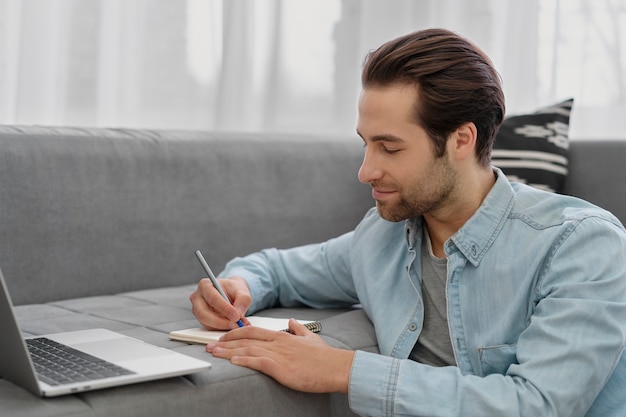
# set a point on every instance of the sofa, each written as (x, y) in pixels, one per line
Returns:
(99, 227)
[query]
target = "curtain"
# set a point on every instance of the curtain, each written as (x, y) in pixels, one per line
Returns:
(287, 65)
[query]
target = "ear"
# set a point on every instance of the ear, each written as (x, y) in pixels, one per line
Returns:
(464, 141)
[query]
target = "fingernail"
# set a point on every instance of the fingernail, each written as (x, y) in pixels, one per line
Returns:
(210, 347)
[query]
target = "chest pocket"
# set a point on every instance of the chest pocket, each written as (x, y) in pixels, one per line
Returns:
(497, 359)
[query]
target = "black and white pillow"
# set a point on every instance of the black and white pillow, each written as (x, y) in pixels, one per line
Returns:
(533, 148)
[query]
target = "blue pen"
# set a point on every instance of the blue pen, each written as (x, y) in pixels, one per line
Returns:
(216, 284)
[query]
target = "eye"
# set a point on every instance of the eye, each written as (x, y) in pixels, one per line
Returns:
(390, 151)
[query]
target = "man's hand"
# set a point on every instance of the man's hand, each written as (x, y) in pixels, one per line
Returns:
(300, 359)
(215, 313)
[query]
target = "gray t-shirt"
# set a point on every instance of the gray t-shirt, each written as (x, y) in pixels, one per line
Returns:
(433, 346)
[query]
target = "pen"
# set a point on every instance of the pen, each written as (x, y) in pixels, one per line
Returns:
(216, 284)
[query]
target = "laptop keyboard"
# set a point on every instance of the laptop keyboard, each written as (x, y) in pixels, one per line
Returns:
(58, 364)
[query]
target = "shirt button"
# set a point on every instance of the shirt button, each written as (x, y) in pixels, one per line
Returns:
(473, 250)
(412, 327)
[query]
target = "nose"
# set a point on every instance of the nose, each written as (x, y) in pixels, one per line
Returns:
(369, 170)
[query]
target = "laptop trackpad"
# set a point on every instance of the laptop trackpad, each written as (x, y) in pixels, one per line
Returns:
(121, 349)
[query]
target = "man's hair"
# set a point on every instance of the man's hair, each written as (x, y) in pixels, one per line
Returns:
(455, 80)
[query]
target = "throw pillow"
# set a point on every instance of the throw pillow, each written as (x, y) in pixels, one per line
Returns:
(533, 148)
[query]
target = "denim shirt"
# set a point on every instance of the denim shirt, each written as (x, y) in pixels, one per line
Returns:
(536, 301)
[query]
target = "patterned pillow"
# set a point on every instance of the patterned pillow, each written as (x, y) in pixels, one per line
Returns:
(533, 148)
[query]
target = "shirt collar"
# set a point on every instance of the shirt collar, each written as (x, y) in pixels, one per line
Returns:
(480, 231)
(477, 235)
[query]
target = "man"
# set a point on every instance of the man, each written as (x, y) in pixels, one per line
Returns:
(488, 298)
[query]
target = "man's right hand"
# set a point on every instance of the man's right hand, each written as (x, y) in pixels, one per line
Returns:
(213, 311)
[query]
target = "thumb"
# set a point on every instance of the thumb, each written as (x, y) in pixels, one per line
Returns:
(241, 307)
(297, 328)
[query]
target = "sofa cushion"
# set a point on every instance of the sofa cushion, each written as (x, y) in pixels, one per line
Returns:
(533, 148)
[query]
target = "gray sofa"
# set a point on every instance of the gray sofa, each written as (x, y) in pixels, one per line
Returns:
(99, 226)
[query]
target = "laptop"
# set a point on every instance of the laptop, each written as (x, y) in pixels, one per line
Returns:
(96, 358)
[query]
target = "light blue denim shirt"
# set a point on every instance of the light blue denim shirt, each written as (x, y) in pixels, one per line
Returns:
(536, 299)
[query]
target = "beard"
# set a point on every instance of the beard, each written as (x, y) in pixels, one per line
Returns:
(423, 195)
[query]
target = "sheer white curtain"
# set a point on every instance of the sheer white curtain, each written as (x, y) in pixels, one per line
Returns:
(287, 65)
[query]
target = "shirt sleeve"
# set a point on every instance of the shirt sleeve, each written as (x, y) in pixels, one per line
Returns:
(316, 275)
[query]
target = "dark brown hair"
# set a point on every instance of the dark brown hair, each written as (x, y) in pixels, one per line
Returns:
(455, 80)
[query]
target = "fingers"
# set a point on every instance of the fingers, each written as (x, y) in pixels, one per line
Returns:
(247, 341)
(248, 354)
(252, 337)
(213, 311)
(298, 329)
(206, 315)
(251, 334)
(238, 291)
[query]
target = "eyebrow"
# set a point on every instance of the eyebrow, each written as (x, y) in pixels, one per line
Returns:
(382, 138)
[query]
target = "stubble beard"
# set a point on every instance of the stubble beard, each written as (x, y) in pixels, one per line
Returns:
(422, 196)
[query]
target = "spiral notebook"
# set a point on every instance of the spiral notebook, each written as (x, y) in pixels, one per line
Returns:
(201, 335)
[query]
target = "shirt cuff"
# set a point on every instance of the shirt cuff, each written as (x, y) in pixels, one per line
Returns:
(373, 381)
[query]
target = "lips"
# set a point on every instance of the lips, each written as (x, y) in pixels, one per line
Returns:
(381, 194)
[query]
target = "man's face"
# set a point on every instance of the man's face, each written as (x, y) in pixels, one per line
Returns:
(407, 179)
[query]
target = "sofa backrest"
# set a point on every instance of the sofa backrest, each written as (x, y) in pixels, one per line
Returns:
(100, 211)
(597, 173)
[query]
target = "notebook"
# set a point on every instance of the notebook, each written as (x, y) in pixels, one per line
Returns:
(201, 335)
(102, 358)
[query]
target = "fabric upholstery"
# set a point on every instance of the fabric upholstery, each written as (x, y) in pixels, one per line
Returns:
(597, 173)
(104, 211)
